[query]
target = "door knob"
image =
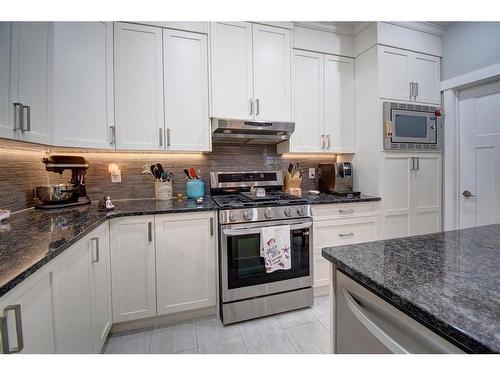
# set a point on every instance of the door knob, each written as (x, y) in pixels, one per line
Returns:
(467, 194)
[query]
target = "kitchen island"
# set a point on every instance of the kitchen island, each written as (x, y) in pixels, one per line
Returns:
(430, 293)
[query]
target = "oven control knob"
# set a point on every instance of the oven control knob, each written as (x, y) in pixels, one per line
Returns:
(288, 211)
(301, 211)
(268, 213)
(233, 216)
(248, 215)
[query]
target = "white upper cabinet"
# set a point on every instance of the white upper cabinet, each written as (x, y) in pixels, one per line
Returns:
(83, 109)
(308, 102)
(185, 67)
(138, 73)
(29, 82)
(339, 104)
(185, 263)
(7, 127)
(133, 268)
(323, 104)
(250, 71)
(272, 73)
(231, 70)
(427, 76)
(409, 76)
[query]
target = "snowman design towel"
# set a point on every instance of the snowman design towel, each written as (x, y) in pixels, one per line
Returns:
(275, 248)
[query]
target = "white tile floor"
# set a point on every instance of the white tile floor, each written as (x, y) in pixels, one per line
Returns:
(299, 331)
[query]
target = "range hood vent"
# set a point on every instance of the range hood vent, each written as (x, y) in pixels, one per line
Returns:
(250, 132)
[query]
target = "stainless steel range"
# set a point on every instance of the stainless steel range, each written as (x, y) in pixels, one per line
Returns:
(247, 291)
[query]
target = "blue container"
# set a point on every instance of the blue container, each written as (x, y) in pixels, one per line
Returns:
(195, 188)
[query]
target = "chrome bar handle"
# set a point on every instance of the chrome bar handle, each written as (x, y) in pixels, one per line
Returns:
(350, 234)
(168, 137)
(19, 330)
(161, 136)
(416, 90)
(418, 164)
(4, 340)
(28, 118)
(322, 141)
(346, 211)
(150, 231)
(96, 247)
(211, 226)
(412, 164)
(18, 115)
(328, 139)
(411, 90)
(250, 106)
(257, 106)
(113, 135)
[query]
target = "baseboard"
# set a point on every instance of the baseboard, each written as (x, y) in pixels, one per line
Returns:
(162, 320)
(323, 290)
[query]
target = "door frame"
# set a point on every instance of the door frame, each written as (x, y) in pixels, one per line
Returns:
(451, 139)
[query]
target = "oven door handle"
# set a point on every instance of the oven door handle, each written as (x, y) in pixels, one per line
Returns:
(241, 231)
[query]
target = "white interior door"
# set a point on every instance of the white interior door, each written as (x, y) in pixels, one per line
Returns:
(272, 73)
(479, 164)
(231, 70)
(138, 87)
(185, 67)
(308, 102)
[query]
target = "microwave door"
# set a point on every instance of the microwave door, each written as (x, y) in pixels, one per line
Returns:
(409, 127)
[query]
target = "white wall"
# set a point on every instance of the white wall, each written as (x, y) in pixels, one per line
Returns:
(468, 46)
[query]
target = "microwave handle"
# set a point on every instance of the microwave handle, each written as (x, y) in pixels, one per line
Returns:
(242, 231)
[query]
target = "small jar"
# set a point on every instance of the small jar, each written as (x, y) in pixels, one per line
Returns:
(195, 188)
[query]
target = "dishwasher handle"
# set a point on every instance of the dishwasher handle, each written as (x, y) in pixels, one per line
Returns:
(383, 337)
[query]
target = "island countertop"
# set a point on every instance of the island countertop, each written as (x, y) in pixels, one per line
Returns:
(448, 281)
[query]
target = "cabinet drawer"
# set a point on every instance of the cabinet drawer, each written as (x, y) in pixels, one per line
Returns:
(336, 211)
(342, 232)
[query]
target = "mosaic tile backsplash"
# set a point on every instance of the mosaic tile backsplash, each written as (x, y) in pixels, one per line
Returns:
(21, 169)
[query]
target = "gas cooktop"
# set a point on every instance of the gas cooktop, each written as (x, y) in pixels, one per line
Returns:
(246, 199)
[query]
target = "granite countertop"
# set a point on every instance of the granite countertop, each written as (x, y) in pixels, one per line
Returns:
(323, 198)
(31, 238)
(448, 281)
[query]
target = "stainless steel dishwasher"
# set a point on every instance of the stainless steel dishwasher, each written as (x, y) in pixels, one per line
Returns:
(365, 323)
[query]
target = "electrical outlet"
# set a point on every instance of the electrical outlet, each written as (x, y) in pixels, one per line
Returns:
(312, 173)
(116, 176)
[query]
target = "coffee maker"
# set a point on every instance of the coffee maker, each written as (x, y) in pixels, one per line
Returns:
(69, 194)
(336, 178)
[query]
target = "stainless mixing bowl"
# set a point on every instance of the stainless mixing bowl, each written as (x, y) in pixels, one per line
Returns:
(56, 193)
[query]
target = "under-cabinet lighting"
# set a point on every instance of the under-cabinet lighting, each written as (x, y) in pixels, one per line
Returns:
(309, 156)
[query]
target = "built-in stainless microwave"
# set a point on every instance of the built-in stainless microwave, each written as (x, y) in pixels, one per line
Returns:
(411, 127)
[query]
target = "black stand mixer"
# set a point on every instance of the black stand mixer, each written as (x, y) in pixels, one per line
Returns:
(69, 194)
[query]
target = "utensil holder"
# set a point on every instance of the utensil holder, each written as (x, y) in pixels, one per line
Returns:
(163, 190)
(195, 188)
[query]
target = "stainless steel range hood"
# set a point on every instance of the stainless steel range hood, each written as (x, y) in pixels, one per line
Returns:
(250, 132)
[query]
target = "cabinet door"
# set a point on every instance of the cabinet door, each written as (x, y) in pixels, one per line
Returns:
(100, 286)
(6, 105)
(73, 305)
(231, 70)
(83, 84)
(33, 299)
(185, 59)
(339, 104)
(272, 73)
(394, 73)
(427, 74)
(138, 72)
(185, 262)
(133, 288)
(427, 194)
(308, 102)
(397, 185)
(30, 77)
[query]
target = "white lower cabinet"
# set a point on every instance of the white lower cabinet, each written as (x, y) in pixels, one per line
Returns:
(340, 224)
(26, 315)
(185, 262)
(133, 268)
(83, 299)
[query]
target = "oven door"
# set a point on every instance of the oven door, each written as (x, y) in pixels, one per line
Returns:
(413, 127)
(243, 272)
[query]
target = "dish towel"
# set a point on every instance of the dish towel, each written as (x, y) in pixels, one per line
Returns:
(275, 248)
